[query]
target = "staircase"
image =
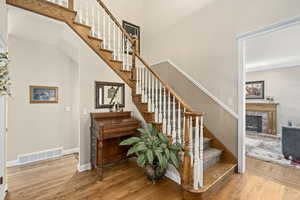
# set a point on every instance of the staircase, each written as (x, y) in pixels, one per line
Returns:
(206, 163)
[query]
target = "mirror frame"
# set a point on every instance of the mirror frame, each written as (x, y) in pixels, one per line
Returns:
(101, 85)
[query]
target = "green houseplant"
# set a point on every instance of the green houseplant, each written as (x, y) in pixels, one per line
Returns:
(154, 152)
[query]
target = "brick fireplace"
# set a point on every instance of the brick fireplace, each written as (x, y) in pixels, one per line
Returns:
(261, 118)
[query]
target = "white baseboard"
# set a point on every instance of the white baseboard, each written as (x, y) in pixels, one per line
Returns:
(85, 167)
(3, 192)
(202, 88)
(17, 162)
(70, 151)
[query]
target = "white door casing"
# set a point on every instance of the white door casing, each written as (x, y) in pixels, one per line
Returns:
(2, 145)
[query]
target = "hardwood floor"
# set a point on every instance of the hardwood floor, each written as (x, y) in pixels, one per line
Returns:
(57, 179)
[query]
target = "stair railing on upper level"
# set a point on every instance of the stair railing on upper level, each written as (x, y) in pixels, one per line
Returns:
(176, 117)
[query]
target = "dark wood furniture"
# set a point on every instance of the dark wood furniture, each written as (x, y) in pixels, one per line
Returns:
(107, 132)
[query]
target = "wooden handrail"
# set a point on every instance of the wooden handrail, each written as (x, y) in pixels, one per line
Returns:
(136, 54)
(194, 114)
(116, 21)
(185, 105)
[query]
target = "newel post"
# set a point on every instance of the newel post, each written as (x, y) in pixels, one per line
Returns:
(134, 51)
(71, 4)
(186, 168)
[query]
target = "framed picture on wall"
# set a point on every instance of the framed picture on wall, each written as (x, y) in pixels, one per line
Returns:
(108, 94)
(255, 90)
(134, 32)
(43, 94)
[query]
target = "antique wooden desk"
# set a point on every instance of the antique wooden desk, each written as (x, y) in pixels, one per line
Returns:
(108, 130)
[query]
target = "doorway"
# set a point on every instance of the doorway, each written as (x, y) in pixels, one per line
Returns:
(269, 67)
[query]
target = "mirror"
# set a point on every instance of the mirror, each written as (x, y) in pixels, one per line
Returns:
(109, 94)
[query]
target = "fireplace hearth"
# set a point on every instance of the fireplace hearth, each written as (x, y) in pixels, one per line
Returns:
(254, 123)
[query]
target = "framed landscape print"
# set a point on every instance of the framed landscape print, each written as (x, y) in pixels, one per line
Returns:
(43, 94)
(108, 94)
(134, 32)
(255, 90)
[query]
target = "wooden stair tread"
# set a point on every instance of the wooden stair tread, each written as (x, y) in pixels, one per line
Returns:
(110, 51)
(117, 61)
(213, 175)
(95, 38)
(77, 23)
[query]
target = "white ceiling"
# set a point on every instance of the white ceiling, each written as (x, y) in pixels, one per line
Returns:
(274, 50)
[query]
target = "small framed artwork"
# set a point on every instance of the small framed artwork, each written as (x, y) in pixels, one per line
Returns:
(108, 94)
(43, 94)
(134, 32)
(255, 90)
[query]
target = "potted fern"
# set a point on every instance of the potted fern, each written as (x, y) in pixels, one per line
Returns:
(154, 152)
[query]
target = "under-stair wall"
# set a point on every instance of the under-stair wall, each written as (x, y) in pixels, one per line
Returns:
(219, 121)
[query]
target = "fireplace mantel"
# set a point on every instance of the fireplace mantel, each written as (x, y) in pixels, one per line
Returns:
(270, 109)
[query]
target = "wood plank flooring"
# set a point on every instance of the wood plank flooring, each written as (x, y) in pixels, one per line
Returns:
(58, 179)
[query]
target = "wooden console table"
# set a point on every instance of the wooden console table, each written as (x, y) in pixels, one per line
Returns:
(108, 130)
(270, 109)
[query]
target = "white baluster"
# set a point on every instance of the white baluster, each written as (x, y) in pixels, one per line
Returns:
(196, 154)
(114, 42)
(137, 87)
(146, 86)
(119, 45)
(201, 162)
(127, 54)
(79, 7)
(93, 20)
(150, 89)
(143, 84)
(156, 101)
(160, 102)
(104, 29)
(123, 52)
(179, 124)
(174, 121)
(87, 13)
(152, 95)
(165, 111)
(191, 140)
(183, 128)
(109, 33)
(99, 23)
(169, 113)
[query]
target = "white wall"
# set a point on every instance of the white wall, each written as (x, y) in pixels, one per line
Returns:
(37, 127)
(92, 69)
(3, 21)
(284, 86)
(220, 122)
(204, 43)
